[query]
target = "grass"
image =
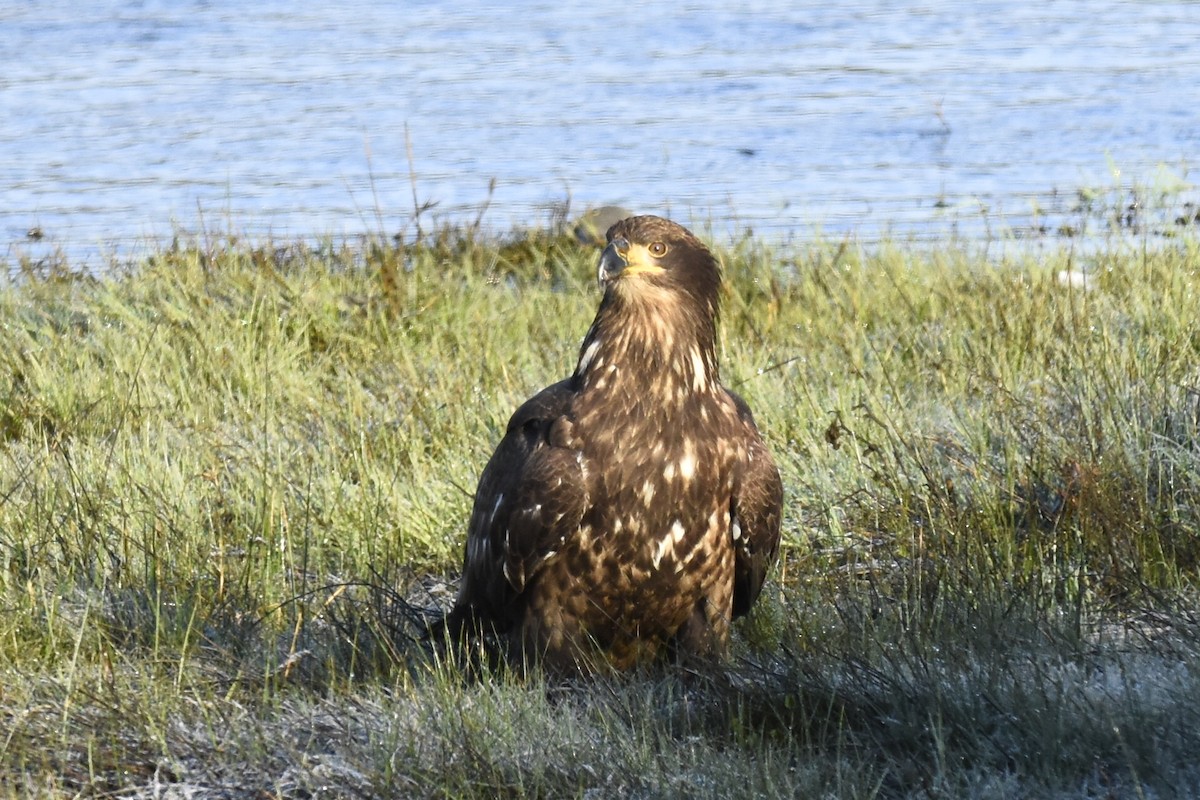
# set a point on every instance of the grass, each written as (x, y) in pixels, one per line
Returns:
(230, 473)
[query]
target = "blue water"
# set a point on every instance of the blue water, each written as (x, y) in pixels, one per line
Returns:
(122, 123)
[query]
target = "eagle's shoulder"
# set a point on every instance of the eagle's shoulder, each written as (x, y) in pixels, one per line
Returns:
(531, 496)
(544, 407)
(741, 406)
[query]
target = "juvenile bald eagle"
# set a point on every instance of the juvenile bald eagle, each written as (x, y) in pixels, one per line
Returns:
(633, 507)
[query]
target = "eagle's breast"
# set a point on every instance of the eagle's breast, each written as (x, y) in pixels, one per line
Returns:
(657, 537)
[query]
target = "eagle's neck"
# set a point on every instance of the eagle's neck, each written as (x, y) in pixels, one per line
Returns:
(661, 352)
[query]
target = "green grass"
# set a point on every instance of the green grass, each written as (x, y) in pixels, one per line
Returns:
(228, 474)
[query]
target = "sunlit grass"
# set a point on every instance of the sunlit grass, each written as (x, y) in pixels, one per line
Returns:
(229, 474)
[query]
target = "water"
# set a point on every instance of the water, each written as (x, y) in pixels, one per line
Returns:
(124, 122)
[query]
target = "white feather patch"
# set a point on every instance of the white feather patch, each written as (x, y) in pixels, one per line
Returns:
(699, 375)
(589, 354)
(668, 543)
(687, 464)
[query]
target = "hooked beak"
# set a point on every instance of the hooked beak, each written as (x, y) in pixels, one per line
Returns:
(612, 261)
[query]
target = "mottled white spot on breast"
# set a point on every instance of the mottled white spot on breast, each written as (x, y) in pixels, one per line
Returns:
(699, 376)
(669, 472)
(737, 529)
(589, 354)
(647, 493)
(667, 543)
(687, 467)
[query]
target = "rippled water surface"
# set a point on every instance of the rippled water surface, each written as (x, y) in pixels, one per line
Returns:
(123, 122)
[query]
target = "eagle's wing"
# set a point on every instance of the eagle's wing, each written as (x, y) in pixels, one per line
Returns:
(757, 510)
(531, 496)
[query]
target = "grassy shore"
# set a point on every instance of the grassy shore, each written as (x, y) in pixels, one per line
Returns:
(231, 474)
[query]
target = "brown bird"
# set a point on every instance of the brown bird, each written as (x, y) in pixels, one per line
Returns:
(632, 508)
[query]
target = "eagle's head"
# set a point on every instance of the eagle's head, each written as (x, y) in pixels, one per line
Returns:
(651, 259)
(658, 318)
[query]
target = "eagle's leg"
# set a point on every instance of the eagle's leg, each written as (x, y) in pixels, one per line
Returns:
(704, 636)
(553, 635)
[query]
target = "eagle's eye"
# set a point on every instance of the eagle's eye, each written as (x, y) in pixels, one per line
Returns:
(657, 249)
